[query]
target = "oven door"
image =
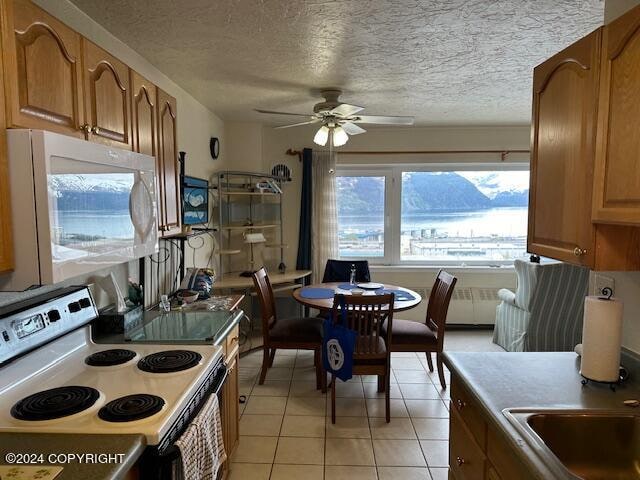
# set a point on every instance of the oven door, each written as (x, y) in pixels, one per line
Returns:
(163, 461)
(96, 205)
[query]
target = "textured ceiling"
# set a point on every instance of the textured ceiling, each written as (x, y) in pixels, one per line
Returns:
(446, 62)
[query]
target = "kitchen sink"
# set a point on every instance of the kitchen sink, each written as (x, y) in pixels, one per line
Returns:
(583, 444)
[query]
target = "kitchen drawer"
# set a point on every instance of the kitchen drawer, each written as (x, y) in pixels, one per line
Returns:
(462, 402)
(231, 342)
(466, 459)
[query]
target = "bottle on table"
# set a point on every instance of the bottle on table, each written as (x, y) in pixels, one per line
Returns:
(352, 276)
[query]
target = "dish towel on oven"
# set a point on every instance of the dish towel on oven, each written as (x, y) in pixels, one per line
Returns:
(201, 446)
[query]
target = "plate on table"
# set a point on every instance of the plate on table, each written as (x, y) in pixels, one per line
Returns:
(370, 286)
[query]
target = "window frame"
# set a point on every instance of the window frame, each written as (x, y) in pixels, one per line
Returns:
(393, 203)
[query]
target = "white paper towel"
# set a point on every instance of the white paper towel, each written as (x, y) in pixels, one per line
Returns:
(601, 339)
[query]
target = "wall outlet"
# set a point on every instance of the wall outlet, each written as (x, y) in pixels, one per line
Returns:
(602, 281)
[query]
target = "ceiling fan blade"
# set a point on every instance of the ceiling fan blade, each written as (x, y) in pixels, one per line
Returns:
(383, 120)
(345, 110)
(352, 128)
(281, 113)
(315, 120)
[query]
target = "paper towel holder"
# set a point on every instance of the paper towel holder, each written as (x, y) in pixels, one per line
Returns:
(606, 293)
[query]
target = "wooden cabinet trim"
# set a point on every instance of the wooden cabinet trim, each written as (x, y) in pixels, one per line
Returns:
(566, 63)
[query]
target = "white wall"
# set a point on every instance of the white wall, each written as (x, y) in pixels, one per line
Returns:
(196, 124)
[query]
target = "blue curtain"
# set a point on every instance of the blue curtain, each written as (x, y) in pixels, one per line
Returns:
(304, 235)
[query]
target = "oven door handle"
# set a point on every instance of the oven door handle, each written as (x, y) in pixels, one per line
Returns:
(221, 382)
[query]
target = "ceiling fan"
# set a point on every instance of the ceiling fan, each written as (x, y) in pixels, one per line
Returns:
(339, 120)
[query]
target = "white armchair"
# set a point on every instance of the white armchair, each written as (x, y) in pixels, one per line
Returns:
(545, 312)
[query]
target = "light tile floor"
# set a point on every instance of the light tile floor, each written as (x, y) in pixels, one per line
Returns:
(286, 431)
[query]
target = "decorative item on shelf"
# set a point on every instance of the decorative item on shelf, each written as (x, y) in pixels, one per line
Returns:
(214, 147)
(601, 339)
(251, 239)
(199, 280)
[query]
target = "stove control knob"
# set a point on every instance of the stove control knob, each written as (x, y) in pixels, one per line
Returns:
(54, 315)
(74, 307)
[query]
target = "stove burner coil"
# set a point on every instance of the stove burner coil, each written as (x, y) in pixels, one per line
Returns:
(169, 361)
(131, 407)
(107, 358)
(55, 403)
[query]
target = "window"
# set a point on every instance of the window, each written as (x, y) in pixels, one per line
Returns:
(360, 202)
(463, 216)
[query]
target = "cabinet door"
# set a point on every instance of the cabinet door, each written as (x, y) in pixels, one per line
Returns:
(617, 179)
(144, 124)
(6, 243)
(230, 408)
(42, 60)
(565, 91)
(107, 97)
(466, 459)
(168, 153)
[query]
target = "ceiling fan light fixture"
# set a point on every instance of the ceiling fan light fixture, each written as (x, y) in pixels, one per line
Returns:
(322, 135)
(340, 137)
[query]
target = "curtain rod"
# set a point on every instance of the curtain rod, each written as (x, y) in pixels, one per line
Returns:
(503, 153)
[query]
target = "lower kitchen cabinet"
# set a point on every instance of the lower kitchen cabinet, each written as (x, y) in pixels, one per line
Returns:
(6, 234)
(476, 450)
(230, 395)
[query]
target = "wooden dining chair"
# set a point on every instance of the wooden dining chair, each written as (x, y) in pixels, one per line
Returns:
(371, 356)
(428, 337)
(302, 333)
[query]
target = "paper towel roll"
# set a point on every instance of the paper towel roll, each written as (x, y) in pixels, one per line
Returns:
(601, 339)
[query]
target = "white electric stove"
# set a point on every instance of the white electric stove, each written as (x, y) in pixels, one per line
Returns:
(53, 378)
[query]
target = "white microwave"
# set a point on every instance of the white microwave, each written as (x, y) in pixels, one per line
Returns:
(77, 207)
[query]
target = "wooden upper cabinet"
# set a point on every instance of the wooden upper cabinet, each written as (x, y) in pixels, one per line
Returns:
(143, 115)
(107, 97)
(170, 223)
(42, 61)
(617, 171)
(565, 92)
(144, 123)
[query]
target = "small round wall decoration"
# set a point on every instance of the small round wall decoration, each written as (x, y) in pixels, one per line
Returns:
(214, 146)
(282, 171)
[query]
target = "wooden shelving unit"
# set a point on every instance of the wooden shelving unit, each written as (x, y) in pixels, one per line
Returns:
(248, 202)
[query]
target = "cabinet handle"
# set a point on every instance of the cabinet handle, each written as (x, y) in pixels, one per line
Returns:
(85, 128)
(578, 252)
(460, 404)
(460, 461)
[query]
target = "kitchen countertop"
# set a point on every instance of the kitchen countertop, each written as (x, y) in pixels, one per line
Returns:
(188, 327)
(131, 446)
(541, 380)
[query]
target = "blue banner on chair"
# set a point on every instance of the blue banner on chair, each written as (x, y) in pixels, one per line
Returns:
(338, 344)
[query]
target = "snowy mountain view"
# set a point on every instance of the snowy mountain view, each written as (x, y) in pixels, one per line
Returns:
(450, 215)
